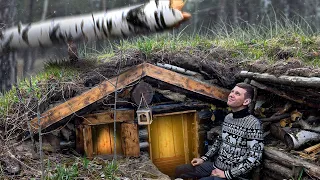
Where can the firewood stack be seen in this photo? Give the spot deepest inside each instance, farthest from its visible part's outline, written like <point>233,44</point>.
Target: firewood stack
<point>288,109</point>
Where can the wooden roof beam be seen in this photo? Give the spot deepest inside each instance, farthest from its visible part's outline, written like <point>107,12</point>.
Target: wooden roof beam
<point>75,104</point>
<point>107,87</point>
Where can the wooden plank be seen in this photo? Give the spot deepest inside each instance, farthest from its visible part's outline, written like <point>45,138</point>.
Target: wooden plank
<point>103,140</point>
<point>150,142</point>
<point>313,149</point>
<point>187,83</point>
<point>177,135</point>
<point>79,139</point>
<point>185,139</point>
<point>73,105</point>
<point>174,113</point>
<point>108,117</point>
<point>88,145</point>
<point>130,140</point>
<point>196,136</point>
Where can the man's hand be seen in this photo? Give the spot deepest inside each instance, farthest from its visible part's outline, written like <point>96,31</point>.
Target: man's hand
<point>196,161</point>
<point>218,173</point>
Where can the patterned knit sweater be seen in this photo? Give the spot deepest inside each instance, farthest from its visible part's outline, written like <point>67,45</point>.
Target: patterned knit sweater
<point>240,146</point>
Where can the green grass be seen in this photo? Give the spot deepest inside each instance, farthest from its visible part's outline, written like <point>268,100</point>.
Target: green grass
<point>37,86</point>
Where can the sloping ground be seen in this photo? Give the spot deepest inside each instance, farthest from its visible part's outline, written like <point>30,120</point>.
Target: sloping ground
<point>214,64</point>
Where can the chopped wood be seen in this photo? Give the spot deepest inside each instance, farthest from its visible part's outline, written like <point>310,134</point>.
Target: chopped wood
<point>275,118</point>
<point>307,156</point>
<point>284,94</point>
<point>278,132</point>
<point>297,138</point>
<point>290,161</point>
<point>287,80</point>
<point>306,126</point>
<point>142,94</point>
<point>315,149</point>
<point>281,170</point>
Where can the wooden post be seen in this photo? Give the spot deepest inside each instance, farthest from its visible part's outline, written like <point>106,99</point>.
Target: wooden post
<point>130,140</point>
<point>87,138</point>
<point>79,139</point>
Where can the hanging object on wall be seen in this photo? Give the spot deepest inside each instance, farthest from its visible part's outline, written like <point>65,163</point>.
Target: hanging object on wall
<point>144,114</point>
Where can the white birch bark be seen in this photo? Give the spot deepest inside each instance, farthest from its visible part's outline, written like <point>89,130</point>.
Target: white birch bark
<point>157,15</point>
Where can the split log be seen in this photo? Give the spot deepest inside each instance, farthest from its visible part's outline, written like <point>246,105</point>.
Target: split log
<point>278,132</point>
<point>275,118</point>
<point>284,94</point>
<point>290,161</point>
<point>287,80</point>
<point>304,125</point>
<point>281,170</point>
<point>142,94</point>
<point>297,138</point>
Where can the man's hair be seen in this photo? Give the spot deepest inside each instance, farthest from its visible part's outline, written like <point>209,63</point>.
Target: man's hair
<point>249,90</point>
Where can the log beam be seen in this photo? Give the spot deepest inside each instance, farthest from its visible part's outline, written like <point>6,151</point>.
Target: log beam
<point>287,80</point>
<point>187,83</point>
<point>108,117</point>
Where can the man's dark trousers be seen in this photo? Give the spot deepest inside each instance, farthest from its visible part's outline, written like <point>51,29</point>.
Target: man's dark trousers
<point>202,171</point>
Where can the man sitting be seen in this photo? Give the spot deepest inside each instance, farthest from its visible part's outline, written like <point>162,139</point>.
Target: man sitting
<point>239,148</point>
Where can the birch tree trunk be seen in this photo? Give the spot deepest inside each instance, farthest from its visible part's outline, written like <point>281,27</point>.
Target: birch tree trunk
<point>151,17</point>
<point>8,64</point>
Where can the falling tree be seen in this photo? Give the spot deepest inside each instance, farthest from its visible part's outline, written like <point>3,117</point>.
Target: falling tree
<point>155,16</point>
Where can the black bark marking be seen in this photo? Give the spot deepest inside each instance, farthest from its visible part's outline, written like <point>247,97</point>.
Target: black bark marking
<point>25,36</point>
<point>136,17</point>
<point>162,20</point>
<point>98,24</point>
<point>76,27</point>
<point>173,12</point>
<point>157,19</point>
<point>104,29</point>
<point>53,37</point>
<point>94,28</point>
<point>109,25</point>
<point>83,34</point>
<point>157,3</point>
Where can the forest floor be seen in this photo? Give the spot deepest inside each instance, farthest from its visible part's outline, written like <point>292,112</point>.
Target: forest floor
<point>218,59</point>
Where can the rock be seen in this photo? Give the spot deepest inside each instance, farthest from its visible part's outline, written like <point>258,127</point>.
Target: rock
<point>11,167</point>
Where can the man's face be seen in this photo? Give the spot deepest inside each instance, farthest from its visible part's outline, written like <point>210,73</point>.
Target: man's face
<point>236,98</point>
